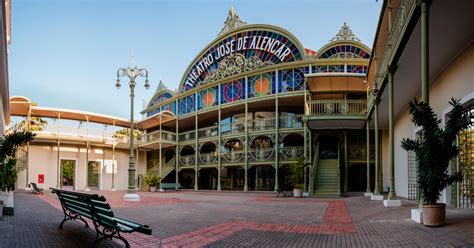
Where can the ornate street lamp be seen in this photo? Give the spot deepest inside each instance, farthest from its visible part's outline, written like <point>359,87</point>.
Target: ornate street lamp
<point>132,72</point>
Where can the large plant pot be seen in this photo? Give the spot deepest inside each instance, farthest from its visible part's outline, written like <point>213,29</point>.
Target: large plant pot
<point>298,193</point>
<point>434,215</point>
<point>152,188</point>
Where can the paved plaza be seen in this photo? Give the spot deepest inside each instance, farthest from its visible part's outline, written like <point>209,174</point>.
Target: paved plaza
<point>230,219</point>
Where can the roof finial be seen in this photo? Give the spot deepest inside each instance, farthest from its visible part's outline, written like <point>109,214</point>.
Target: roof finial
<point>345,33</point>
<point>233,21</point>
<point>132,59</point>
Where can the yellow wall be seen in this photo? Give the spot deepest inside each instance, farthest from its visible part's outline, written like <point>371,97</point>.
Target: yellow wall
<point>456,80</point>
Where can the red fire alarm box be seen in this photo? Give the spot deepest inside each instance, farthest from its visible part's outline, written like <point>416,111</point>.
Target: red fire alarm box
<point>40,178</point>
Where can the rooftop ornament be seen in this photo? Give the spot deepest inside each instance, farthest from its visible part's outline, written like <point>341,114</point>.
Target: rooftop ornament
<point>233,21</point>
<point>345,33</point>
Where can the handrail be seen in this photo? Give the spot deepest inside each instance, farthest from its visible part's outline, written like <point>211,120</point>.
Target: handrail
<point>338,168</point>
<point>314,168</point>
<point>335,107</point>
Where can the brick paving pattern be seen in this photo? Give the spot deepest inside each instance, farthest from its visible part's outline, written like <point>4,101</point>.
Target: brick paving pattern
<point>230,219</point>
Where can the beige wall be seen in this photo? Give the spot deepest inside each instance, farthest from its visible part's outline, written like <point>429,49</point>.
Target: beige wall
<point>42,159</point>
<point>457,80</point>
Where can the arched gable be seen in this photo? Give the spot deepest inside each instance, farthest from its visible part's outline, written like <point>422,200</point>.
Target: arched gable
<point>243,49</point>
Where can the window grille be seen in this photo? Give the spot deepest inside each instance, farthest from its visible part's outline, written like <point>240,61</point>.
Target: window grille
<point>413,193</point>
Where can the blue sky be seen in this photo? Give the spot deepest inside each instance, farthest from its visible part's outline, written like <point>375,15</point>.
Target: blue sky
<point>65,53</point>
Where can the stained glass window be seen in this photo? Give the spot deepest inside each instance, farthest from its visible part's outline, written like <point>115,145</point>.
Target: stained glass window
<point>261,85</point>
<point>345,51</point>
<point>362,69</point>
<point>153,112</point>
<point>160,98</point>
<point>207,98</point>
<point>268,46</point>
<point>233,91</point>
<point>335,68</point>
<point>186,105</point>
<point>292,80</point>
<point>170,107</point>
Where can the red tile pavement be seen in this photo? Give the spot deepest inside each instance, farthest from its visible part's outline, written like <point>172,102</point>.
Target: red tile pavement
<point>336,221</point>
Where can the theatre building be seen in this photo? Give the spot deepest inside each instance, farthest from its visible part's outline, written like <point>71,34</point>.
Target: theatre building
<point>255,99</point>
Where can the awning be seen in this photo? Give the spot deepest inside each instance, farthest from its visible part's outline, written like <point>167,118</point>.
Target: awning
<point>326,82</point>
<point>20,106</point>
<point>156,120</point>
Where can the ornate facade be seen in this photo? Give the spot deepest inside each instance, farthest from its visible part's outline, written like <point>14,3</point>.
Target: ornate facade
<point>252,102</point>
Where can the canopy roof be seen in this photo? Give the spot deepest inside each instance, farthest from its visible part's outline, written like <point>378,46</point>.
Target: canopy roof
<point>20,106</point>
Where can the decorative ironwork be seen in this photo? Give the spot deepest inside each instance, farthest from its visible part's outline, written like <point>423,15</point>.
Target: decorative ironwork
<point>233,64</point>
<point>337,107</point>
<point>233,21</point>
<point>208,158</point>
<point>345,33</point>
<point>231,157</point>
<point>187,160</point>
<point>464,190</point>
<point>290,153</point>
<point>262,154</point>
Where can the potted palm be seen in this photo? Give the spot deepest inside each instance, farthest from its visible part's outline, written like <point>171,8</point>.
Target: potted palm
<point>152,181</point>
<point>434,150</point>
<point>296,176</point>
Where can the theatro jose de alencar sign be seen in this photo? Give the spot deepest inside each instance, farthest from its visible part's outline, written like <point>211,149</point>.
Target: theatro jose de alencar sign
<point>267,46</point>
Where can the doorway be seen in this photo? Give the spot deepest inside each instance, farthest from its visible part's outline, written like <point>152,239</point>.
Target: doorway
<point>68,174</point>
<point>93,174</point>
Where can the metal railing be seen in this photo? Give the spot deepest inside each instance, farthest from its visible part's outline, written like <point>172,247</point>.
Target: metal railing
<point>231,157</point>
<point>232,128</point>
<point>336,107</point>
<point>160,135</point>
<point>207,158</point>
<point>187,160</point>
<point>295,121</point>
<point>186,136</point>
<point>262,154</point>
<point>290,153</point>
<point>208,132</point>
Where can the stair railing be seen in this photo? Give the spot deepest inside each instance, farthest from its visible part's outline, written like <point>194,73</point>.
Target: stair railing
<point>314,169</point>
<point>339,168</point>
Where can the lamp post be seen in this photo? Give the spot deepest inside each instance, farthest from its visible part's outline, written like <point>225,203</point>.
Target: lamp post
<point>132,72</point>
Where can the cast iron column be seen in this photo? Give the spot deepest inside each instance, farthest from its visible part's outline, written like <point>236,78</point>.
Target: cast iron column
<point>391,143</point>
<point>377,169</point>
<point>368,190</point>
<point>425,84</point>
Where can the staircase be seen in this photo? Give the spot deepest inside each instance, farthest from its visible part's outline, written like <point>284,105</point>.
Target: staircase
<point>327,183</point>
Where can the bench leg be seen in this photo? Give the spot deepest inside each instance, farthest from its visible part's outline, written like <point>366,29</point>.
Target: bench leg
<point>72,216</point>
<point>108,233</point>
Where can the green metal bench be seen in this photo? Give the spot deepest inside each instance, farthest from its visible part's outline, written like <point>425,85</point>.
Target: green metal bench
<point>164,186</point>
<point>77,206</point>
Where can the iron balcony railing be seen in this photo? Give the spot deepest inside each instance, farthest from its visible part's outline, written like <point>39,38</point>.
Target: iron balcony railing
<point>290,153</point>
<point>336,107</point>
<point>187,160</point>
<point>233,157</point>
<point>159,136</point>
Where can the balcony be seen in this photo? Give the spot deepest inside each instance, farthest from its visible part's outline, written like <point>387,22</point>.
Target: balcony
<point>162,136</point>
<point>336,108</point>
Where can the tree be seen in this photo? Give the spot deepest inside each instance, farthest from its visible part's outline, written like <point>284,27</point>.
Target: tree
<point>436,147</point>
<point>8,147</point>
<point>35,124</point>
<point>296,172</point>
<point>125,132</point>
